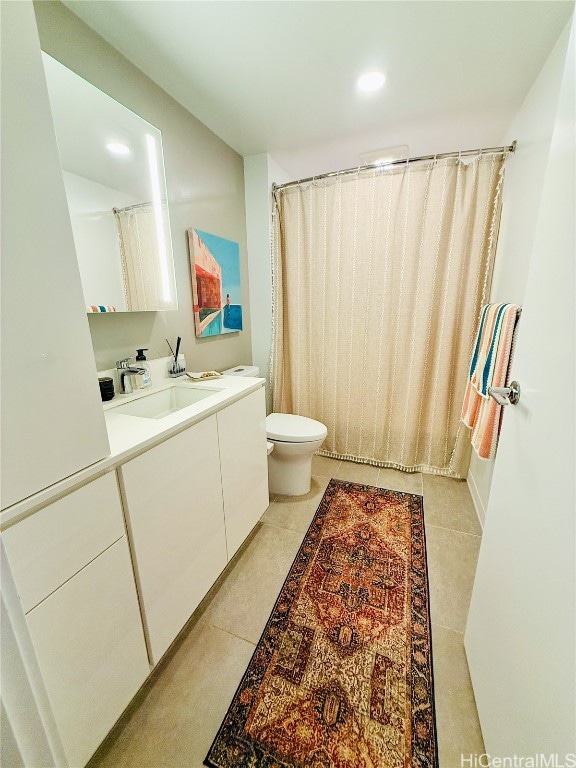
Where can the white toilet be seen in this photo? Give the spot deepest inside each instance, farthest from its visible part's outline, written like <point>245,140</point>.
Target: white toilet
<point>295,440</point>
<point>292,441</point>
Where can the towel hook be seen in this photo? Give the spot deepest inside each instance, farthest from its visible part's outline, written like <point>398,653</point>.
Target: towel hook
<point>506,395</point>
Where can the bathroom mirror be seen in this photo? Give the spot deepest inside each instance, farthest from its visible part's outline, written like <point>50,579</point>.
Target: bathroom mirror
<point>113,172</point>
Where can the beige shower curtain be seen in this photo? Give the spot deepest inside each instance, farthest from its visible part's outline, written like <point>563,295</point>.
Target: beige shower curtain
<point>379,277</point>
<point>148,280</point>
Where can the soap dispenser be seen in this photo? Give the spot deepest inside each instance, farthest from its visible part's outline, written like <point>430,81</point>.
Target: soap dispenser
<point>146,377</point>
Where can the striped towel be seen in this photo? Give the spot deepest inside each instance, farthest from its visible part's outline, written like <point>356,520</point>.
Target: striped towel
<point>489,367</point>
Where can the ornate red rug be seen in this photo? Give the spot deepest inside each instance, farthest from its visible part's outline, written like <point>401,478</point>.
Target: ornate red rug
<point>342,675</point>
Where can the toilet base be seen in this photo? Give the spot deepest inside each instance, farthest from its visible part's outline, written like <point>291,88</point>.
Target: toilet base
<point>289,475</point>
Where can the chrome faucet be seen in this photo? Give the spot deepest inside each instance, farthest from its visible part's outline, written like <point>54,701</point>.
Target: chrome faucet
<point>125,372</point>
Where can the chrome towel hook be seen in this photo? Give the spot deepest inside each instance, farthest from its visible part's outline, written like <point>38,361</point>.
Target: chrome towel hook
<point>506,395</point>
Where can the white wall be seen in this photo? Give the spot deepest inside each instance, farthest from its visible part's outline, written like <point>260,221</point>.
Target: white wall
<point>533,128</point>
<point>260,172</point>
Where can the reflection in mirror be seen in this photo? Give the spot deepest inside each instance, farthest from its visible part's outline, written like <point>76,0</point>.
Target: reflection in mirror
<point>113,173</point>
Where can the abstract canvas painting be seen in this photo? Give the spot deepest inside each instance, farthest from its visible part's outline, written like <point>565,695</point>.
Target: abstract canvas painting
<point>215,267</point>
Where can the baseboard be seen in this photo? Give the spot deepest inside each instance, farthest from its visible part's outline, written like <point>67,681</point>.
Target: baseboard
<point>478,506</point>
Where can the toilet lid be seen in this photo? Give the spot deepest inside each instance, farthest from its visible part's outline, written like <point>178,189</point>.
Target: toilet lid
<point>289,428</point>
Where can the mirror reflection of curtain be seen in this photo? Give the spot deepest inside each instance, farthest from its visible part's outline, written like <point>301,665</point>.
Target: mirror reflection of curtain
<point>148,283</point>
<point>379,277</point>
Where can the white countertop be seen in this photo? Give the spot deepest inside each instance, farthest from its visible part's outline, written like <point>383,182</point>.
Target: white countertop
<point>131,435</point>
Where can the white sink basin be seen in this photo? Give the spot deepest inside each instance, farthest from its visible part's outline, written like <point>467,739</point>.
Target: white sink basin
<point>163,403</point>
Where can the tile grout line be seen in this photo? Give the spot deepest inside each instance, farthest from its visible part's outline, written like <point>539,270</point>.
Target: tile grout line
<point>419,492</point>
<point>452,530</point>
<point>443,626</point>
<point>384,488</point>
<point>279,527</point>
<point>227,631</point>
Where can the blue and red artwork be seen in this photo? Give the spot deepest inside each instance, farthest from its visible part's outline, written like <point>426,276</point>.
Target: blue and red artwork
<point>215,267</point>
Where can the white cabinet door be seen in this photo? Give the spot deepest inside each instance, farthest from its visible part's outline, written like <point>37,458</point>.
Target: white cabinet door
<point>50,546</point>
<point>176,522</point>
<point>244,462</point>
<point>52,420</point>
<point>90,647</point>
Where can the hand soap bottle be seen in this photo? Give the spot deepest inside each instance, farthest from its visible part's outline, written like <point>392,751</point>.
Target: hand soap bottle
<point>146,378</point>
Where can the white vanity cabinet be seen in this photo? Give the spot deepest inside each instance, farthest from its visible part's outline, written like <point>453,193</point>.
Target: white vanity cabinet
<point>72,569</point>
<point>173,499</point>
<point>190,502</point>
<point>244,466</point>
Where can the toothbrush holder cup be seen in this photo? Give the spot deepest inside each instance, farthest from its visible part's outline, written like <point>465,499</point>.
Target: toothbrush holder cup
<point>177,367</point>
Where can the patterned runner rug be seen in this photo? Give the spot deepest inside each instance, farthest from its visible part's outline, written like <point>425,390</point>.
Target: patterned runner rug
<point>342,675</point>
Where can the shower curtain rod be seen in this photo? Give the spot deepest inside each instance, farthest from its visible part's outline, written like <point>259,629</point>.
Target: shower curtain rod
<point>464,153</point>
<point>131,207</point>
<point>137,205</point>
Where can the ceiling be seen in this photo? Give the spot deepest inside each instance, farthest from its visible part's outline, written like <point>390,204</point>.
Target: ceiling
<point>279,76</point>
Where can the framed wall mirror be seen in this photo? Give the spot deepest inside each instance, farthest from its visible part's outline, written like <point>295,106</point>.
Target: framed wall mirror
<point>113,171</point>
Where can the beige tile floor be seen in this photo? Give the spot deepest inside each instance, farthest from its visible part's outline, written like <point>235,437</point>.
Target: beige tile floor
<point>173,719</point>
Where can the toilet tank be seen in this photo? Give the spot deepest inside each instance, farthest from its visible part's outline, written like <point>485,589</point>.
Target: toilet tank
<point>242,370</point>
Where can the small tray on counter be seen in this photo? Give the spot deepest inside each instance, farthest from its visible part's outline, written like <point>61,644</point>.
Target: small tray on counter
<point>203,375</point>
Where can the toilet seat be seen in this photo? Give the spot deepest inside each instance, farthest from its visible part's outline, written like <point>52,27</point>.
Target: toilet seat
<point>290,428</point>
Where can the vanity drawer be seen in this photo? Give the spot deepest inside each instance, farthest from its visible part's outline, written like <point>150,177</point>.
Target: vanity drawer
<point>90,648</point>
<point>49,547</point>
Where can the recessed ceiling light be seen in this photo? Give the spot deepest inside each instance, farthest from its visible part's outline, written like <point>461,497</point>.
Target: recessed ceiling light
<point>117,148</point>
<point>371,81</point>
